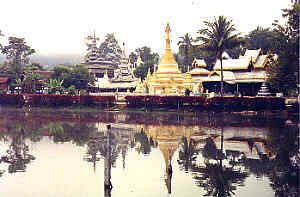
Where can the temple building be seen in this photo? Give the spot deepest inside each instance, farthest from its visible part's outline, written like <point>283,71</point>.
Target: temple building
<point>94,61</point>
<point>113,71</point>
<point>244,75</point>
<point>166,78</point>
<point>199,72</point>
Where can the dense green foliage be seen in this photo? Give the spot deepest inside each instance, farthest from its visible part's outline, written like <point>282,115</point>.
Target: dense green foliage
<point>109,49</point>
<point>17,51</point>
<point>285,43</point>
<point>77,76</point>
<point>260,38</point>
<point>31,82</point>
<point>133,57</point>
<point>54,85</point>
<point>149,58</point>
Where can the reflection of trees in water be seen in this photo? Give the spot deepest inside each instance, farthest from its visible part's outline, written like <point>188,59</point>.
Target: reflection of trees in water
<point>279,164</point>
<point>3,137</point>
<point>108,146</point>
<point>210,150</point>
<point>282,168</point>
<point>77,133</point>
<point>98,148</point>
<point>144,143</point>
<point>216,178</point>
<point>32,130</point>
<point>187,153</point>
<point>17,155</point>
<point>283,141</point>
<point>119,142</point>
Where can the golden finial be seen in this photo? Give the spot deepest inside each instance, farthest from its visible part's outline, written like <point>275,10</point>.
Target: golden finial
<point>168,29</point>
<point>123,51</point>
<point>168,58</point>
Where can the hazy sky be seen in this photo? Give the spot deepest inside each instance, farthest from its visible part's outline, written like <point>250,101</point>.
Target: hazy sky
<point>60,26</point>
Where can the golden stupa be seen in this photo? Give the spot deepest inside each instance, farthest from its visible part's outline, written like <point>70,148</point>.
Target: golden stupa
<point>167,78</point>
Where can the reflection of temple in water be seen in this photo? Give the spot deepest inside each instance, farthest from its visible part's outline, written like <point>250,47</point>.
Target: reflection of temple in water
<point>108,143</point>
<point>168,139</point>
<point>247,141</point>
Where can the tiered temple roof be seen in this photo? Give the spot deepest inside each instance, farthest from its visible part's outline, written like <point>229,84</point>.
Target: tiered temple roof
<point>109,74</point>
<point>123,77</point>
<point>248,68</point>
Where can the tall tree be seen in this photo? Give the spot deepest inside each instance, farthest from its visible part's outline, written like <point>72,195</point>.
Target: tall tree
<point>218,36</point>
<point>149,58</point>
<point>286,45</point>
<point>185,44</point>
<point>17,51</point>
<point>260,38</point>
<point>109,49</point>
<point>147,54</point>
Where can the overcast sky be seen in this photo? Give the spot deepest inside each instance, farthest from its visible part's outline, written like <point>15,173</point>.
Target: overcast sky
<point>60,26</point>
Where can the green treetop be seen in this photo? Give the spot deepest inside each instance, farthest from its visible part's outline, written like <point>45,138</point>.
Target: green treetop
<point>218,36</point>
<point>110,49</point>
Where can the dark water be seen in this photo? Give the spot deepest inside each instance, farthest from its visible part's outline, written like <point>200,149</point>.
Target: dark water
<point>61,153</point>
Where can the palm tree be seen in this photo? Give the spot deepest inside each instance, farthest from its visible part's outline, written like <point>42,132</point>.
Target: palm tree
<point>185,43</point>
<point>219,36</point>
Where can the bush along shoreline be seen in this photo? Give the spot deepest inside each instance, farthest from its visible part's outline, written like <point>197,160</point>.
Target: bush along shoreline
<point>232,103</point>
<point>53,100</point>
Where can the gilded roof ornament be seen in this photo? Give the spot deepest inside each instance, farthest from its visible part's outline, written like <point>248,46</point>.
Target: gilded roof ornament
<point>168,29</point>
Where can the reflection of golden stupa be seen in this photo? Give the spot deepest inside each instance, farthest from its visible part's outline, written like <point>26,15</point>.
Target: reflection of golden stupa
<point>168,138</point>
<point>167,79</point>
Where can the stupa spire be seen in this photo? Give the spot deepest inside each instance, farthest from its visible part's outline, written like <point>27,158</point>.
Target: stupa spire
<point>168,30</point>
<point>123,50</point>
<point>168,61</point>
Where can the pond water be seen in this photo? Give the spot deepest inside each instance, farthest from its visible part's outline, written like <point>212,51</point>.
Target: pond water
<point>67,153</point>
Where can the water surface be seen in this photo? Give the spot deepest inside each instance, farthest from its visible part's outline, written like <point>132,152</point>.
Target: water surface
<point>66,153</point>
